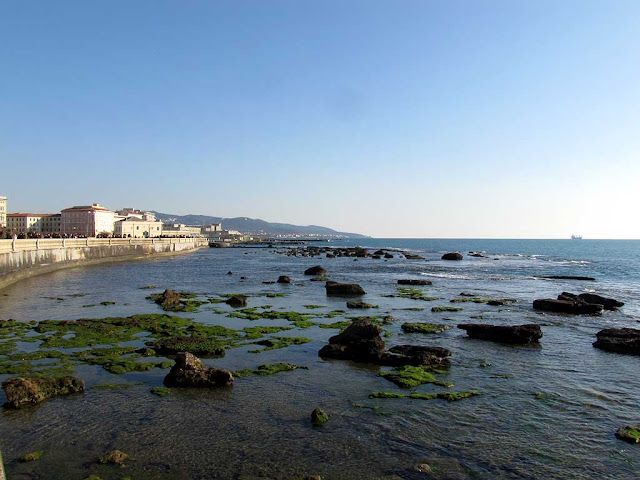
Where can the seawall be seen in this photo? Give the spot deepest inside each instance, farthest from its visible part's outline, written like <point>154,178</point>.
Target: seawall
<point>25,258</point>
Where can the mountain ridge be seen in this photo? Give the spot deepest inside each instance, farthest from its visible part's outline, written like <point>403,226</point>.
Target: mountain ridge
<point>255,225</point>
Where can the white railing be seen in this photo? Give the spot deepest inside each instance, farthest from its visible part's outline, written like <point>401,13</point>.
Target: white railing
<point>21,245</point>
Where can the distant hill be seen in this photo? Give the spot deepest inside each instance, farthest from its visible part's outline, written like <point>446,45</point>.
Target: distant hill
<point>254,225</point>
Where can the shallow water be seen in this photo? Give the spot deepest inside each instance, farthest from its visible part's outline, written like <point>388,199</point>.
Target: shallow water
<point>260,428</point>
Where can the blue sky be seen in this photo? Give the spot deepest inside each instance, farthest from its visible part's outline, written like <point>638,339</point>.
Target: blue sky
<point>505,119</point>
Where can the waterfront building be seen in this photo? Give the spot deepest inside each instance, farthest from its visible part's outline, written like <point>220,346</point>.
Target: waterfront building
<point>132,212</point>
<point>45,223</point>
<point>3,211</point>
<point>214,227</point>
<point>87,220</point>
<point>180,230</point>
<point>137,227</point>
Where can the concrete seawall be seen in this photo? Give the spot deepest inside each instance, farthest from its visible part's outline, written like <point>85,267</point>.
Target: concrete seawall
<point>25,258</point>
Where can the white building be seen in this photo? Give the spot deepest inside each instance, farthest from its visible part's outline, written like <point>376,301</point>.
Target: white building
<point>136,227</point>
<point>87,220</point>
<point>45,223</point>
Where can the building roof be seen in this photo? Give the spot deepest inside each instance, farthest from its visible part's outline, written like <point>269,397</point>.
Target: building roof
<point>95,206</point>
<point>33,214</point>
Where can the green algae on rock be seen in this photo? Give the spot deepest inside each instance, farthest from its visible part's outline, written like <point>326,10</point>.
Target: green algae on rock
<point>279,342</point>
<point>629,434</point>
<point>272,368</point>
<point>259,332</point>
<point>360,304</point>
<point>319,417</point>
<point>445,309</point>
<point>448,396</point>
<point>409,376</point>
<point>115,457</point>
<point>22,392</point>
<point>424,327</point>
<point>160,391</point>
<point>412,293</point>
<point>31,456</point>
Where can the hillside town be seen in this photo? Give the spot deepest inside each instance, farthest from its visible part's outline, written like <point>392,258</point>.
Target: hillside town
<point>95,220</point>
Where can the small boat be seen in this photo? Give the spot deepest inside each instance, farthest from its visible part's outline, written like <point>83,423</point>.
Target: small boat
<point>576,237</point>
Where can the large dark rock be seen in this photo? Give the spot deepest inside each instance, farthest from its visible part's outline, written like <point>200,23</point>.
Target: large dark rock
<point>566,277</point>
<point>335,288</point>
<point>189,371</point>
<point>452,256</point>
<point>237,301</point>
<point>518,334</point>
<point>607,303</point>
<point>361,341</point>
<point>619,340</point>
<point>23,391</point>
<point>284,279</point>
<point>316,271</point>
<point>575,307</point>
<point>169,300</point>
<point>414,282</point>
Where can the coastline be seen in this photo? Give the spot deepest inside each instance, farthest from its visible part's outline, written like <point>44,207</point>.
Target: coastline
<point>19,261</point>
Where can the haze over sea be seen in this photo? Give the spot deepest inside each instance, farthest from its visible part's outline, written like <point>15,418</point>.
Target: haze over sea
<point>547,411</point>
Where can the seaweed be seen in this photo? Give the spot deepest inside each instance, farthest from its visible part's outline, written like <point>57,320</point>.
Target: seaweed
<point>410,376</point>
<point>445,309</point>
<point>279,342</point>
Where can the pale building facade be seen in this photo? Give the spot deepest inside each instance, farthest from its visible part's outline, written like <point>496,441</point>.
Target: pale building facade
<point>3,211</point>
<point>87,220</point>
<point>45,223</point>
<point>180,230</point>
<point>135,227</point>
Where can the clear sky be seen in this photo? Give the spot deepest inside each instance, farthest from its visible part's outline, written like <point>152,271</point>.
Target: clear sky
<point>505,119</point>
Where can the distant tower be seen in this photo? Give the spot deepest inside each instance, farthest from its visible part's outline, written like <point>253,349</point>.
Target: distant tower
<point>3,211</point>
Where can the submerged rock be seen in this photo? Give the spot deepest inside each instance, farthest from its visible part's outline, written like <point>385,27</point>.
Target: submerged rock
<point>575,307</point>
<point>335,288</point>
<point>360,304</point>
<point>284,279</point>
<point>452,256</point>
<point>415,355</point>
<point>424,327</point>
<point>189,371</point>
<point>23,392</point>
<point>316,271</point>
<point>115,457</point>
<point>415,282</point>
<point>517,334</point>
<point>319,417</point>
<point>237,301</point>
<point>619,340</point>
<point>195,345</point>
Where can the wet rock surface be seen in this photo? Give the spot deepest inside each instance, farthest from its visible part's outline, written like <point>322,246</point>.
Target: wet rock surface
<point>619,340</point>
<point>574,307</point>
<point>316,271</point>
<point>517,334</point>
<point>237,301</point>
<point>190,372</point>
<point>414,282</point>
<point>452,256</point>
<point>22,392</point>
<point>592,298</point>
<point>362,342</point>
<point>284,279</point>
<point>335,288</point>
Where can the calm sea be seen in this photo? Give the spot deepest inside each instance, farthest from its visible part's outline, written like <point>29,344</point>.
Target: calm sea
<point>547,411</point>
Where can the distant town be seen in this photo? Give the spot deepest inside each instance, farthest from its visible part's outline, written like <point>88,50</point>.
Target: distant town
<point>96,220</point>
